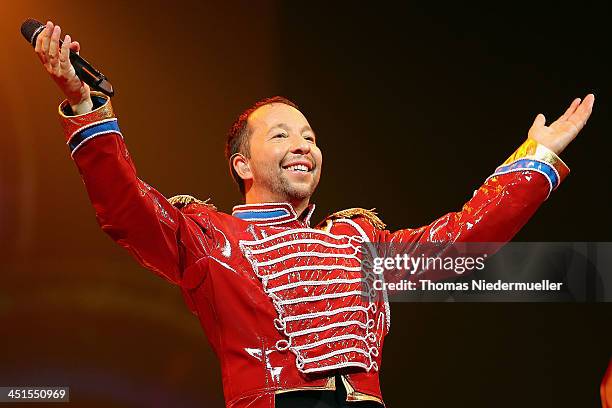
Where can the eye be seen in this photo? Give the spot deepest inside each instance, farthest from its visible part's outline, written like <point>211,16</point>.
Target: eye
<point>310,138</point>
<point>279,135</point>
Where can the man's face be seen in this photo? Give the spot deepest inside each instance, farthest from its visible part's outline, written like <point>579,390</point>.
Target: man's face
<point>285,161</point>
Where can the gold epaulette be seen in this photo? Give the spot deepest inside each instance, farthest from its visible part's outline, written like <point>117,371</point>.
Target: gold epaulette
<point>180,201</point>
<point>369,215</point>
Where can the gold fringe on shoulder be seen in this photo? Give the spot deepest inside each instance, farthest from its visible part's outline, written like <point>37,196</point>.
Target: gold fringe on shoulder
<point>369,215</point>
<point>180,201</point>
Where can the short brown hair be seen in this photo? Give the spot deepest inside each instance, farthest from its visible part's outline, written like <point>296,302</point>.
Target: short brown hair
<point>239,134</point>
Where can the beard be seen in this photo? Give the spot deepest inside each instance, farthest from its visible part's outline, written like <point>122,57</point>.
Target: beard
<point>280,184</point>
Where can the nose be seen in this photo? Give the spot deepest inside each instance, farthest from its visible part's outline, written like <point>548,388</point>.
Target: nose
<point>299,145</point>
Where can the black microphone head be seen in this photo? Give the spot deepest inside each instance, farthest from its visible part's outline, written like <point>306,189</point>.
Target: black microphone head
<point>30,30</point>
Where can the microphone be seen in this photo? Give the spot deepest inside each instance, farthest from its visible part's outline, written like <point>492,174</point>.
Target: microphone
<point>31,28</point>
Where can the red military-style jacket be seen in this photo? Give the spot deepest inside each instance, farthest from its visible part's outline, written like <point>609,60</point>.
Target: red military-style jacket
<point>282,303</point>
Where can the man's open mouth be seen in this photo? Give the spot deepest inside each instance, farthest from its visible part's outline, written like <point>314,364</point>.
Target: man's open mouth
<point>301,167</point>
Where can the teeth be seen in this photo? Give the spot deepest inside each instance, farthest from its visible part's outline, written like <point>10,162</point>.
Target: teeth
<point>298,167</point>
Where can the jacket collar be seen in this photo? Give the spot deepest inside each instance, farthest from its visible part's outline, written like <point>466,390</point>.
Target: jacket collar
<point>271,213</point>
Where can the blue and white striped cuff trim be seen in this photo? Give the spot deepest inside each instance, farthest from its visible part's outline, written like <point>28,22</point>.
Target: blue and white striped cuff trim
<point>541,167</point>
<point>92,130</point>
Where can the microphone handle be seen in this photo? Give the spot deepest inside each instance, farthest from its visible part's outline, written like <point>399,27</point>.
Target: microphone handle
<point>88,74</point>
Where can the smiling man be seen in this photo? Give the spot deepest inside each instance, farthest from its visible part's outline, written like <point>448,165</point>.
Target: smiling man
<point>281,302</point>
<point>273,154</point>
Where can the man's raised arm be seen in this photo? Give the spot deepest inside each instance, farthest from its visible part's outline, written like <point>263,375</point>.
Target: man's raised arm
<point>135,215</point>
<point>511,195</point>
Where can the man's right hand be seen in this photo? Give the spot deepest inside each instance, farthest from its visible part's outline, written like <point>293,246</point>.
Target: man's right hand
<point>56,61</point>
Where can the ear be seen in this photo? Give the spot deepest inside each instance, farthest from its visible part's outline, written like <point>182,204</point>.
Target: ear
<point>240,164</point>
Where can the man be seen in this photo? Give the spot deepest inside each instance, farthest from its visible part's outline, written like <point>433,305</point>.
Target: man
<point>280,302</point>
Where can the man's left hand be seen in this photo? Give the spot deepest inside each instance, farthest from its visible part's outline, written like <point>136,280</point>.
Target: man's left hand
<point>561,132</point>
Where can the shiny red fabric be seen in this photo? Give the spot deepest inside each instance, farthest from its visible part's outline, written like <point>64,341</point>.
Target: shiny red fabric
<point>605,388</point>
<point>280,302</point>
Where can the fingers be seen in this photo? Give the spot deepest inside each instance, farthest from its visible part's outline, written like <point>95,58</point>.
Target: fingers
<point>39,48</point>
<point>75,46</point>
<point>46,39</point>
<point>54,47</point>
<point>536,127</point>
<point>64,57</point>
<point>572,108</point>
<point>54,56</point>
<point>38,45</point>
<point>539,121</point>
<point>582,112</point>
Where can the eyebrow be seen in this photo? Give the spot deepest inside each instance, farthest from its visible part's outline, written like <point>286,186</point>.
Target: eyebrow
<point>284,126</point>
<point>306,128</point>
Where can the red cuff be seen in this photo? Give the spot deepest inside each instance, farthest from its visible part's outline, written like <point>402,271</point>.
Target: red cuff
<point>72,124</point>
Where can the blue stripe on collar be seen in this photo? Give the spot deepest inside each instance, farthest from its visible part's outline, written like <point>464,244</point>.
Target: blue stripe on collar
<point>262,215</point>
<point>271,213</point>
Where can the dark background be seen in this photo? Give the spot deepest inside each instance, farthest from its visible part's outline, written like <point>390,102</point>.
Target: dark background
<point>413,106</point>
